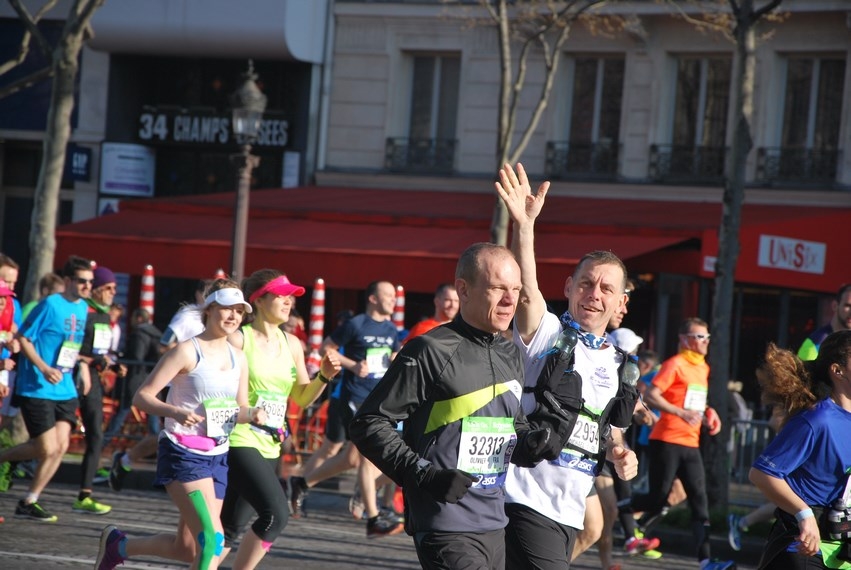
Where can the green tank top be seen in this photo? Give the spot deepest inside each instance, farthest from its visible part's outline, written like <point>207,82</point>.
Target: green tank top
<point>270,380</point>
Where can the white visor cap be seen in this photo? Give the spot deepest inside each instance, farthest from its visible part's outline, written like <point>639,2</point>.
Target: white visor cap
<point>227,297</point>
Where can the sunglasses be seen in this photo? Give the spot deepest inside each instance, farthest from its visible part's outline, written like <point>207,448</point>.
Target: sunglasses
<point>699,336</point>
<point>81,281</point>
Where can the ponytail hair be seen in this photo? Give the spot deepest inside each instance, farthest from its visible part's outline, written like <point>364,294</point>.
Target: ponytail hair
<point>785,382</point>
<point>796,386</point>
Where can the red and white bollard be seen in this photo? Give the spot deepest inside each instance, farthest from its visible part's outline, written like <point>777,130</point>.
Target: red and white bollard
<point>399,310</point>
<point>146,299</point>
<point>316,326</point>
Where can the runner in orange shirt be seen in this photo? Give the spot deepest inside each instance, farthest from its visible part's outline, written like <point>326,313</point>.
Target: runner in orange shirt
<point>679,390</point>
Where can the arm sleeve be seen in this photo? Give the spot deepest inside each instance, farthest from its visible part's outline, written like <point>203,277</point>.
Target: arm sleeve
<point>401,391</point>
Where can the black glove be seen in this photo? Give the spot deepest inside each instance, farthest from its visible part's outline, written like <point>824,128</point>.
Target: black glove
<point>446,485</point>
<point>537,445</point>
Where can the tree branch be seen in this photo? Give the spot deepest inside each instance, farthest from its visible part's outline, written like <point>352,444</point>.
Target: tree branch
<point>82,13</point>
<point>702,24</point>
<point>759,13</point>
<point>25,82</point>
<point>30,24</point>
<point>22,55</point>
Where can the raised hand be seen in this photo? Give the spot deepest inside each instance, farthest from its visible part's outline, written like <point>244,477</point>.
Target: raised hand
<point>516,193</point>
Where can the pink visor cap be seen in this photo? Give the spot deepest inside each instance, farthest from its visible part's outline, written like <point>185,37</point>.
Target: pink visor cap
<point>5,291</point>
<point>278,286</point>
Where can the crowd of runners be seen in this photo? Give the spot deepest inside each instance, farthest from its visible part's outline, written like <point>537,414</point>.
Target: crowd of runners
<point>503,424</point>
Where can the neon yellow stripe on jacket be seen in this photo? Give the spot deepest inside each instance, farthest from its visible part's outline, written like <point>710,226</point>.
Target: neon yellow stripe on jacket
<point>446,412</point>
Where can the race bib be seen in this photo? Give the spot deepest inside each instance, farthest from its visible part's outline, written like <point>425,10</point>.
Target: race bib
<point>68,353</point>
<point>485,449</point>
<point>221,416</point>
<point>695,398</point>
<point>586,435</point>
<point>4,377</point>
<point>275,405</point>
<point>378,360</point>
<point>103,338</point>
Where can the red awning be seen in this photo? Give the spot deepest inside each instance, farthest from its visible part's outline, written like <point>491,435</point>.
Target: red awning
<point>352,236</point>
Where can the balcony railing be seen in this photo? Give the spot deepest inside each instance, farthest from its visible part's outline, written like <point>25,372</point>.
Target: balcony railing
<point>420,155</point>
<point>797,165</point>
<point>687,164</point>
<point>566,160</point>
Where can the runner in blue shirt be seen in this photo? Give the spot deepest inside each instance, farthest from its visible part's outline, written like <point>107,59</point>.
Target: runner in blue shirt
<point>45,392</point>
<point>805,469</point>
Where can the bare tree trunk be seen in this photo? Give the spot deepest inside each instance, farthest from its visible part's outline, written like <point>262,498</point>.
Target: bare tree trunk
<point>499,222</point>
<point>46,203</point>
<point>728,249</point>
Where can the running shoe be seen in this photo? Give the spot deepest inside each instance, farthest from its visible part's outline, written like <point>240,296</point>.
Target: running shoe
<point>356,506</point>
<point>108,553</point>
<point>391,515</point>
<point>101,476</point>
<point>24,469</point>
<point>298,488</point>
<point>34,512</point>
<point>651,554</point>
<point>635,546</point>
<point>90,506</point>
<point>5,476</point>
<point>734,534</point>
<point>719,565</point>
<point>378,527</point>
<point>118,473</point>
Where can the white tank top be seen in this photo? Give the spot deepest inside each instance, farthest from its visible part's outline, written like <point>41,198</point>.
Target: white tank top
<point>190,391</point>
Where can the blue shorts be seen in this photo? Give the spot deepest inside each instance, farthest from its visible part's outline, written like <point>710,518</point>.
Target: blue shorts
<point>177,464</point>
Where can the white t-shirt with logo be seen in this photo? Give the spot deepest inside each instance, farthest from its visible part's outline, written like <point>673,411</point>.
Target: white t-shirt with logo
<point>557,489</point>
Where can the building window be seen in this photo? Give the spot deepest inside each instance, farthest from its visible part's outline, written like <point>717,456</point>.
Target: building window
<point>595,116</point>
<point>809,139</point>
<point>697,149</point>
<point>430,144</point>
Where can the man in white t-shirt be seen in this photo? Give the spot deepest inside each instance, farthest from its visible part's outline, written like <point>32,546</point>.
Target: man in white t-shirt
<point>546,505</point>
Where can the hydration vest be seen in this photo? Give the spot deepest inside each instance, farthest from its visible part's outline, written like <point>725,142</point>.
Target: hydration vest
<point>558,395</point>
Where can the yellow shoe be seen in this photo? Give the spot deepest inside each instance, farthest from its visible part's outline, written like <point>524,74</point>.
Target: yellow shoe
<point>90,506</point>
<point>651,554</point>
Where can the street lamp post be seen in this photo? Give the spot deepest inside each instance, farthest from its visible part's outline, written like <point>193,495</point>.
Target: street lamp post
<point>248,104</point>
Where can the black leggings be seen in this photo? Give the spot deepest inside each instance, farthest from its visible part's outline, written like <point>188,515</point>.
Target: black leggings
<point>253,486</point>
<point>667,462</point>
<point>91,413</point>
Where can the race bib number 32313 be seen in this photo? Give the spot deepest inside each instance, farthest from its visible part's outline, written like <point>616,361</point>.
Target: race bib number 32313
<point>485,448</point>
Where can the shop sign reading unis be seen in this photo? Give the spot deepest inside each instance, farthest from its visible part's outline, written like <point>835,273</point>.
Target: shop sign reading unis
<point>791,254</point>
<point>160,126</point>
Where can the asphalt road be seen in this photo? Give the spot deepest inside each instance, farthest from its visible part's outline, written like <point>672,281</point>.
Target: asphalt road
<point>327,539</point>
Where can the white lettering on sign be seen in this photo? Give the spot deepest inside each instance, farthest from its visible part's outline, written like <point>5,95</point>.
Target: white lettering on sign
<point>709,263</point>
<point>791,254</point>
<point>206,129</point>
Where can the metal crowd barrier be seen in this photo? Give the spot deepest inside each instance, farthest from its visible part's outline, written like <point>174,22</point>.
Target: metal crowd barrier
<point>747,440</point>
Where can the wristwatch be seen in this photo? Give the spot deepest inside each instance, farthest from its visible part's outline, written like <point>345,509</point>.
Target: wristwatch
<point>420,469</point>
